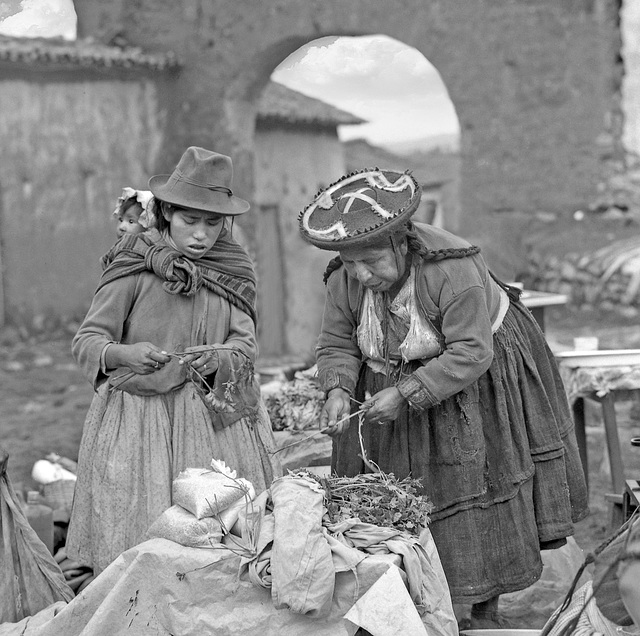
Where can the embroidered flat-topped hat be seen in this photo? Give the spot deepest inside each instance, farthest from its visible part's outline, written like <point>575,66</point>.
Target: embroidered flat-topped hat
<point>360,209</point>
<point>202,181</point>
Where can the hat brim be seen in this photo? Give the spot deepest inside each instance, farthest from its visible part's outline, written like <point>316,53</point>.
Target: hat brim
<point>370,237</point>
<point>360,209</point>
<point>196,197</point>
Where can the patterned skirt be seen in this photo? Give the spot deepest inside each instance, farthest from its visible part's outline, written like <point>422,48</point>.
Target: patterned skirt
<point>131,450</point>
<point>499,460</point>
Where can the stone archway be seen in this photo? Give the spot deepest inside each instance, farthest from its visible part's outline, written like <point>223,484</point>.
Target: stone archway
<point>532,82</point>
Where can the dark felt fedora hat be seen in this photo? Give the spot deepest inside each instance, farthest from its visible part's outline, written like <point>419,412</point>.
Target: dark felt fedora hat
<point>360,209</point>
<point>201,180</point>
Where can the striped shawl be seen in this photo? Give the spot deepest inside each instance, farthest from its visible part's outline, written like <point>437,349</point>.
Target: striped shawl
<point>226,269</point>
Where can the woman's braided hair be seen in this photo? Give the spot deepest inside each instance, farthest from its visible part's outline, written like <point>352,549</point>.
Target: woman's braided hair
<point>415,247</point>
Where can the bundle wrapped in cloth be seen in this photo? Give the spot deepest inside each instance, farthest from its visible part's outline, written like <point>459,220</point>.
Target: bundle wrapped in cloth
<point>207,492</point>
<point>321,563</point>
<point>180,526</point>
<point>207,503</point>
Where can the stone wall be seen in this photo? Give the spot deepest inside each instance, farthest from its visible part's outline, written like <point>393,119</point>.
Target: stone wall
<point>604,279</point>
<point>533,83</point>
<point>630,23</point>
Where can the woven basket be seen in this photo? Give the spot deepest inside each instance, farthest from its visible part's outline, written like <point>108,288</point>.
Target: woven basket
<point>59,494</point>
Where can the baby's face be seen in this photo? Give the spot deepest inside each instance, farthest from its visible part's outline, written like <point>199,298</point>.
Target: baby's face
<point>128,222</point>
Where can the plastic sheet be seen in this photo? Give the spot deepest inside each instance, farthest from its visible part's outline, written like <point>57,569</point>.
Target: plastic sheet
<point>161,587</point>
<point>371,612</point>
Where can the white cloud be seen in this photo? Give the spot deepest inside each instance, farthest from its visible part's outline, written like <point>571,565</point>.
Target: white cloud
<point>382,80</point>
<point>42,18</point>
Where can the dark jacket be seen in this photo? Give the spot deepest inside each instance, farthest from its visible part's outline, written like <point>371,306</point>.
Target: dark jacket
<point>460,298</point>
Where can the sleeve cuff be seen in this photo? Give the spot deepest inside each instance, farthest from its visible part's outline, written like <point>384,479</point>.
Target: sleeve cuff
<point>103,353</point>
<point>336,379</point>
<point>416,393</point>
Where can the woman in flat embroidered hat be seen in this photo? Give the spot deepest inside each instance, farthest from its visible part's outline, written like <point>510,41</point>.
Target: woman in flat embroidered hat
<point>457,382</point>
<point>169,345</point>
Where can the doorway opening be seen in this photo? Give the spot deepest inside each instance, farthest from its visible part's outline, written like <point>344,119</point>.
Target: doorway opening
<point>333,106</point>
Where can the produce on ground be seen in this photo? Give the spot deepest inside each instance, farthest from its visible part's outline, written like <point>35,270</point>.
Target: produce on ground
<point>294,405</point>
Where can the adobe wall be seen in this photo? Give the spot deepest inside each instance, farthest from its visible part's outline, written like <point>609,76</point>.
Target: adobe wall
<point>532,81</point>
<point>287,162</point>
<point>70,141</point>
<point>631,81</point>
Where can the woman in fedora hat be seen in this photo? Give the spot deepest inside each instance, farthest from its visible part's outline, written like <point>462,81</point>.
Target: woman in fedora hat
<point>454,384</point>
<point>169,345</point>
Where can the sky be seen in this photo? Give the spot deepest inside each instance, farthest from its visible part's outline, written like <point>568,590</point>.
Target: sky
<point>389,84</point>
<point>382,80</point>
<point>38,18</point>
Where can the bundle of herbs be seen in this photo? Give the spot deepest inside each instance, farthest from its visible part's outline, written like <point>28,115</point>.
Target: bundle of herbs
<point>377,498</point>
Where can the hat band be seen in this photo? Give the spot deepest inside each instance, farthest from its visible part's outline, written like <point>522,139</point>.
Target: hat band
<point>206,186</point>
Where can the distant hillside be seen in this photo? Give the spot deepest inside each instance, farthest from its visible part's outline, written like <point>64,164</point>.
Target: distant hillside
<point>446,143</point>
<point>428,167</point>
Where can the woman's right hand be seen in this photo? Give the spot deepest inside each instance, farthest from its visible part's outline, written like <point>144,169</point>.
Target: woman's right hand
<point>142,358</point>
<point>336,407</point>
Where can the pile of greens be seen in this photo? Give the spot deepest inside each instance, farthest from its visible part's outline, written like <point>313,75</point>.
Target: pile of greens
<point>377,498</point>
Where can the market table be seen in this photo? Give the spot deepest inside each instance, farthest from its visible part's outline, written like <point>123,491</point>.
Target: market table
<point>630,498</point>
<point>603,376</point>
<point>537,301</point>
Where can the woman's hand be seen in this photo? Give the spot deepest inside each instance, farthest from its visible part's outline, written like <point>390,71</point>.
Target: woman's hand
<point>336,407</point>
<point>384,406</point>
<point>203,360</point>
<point>142,358</point>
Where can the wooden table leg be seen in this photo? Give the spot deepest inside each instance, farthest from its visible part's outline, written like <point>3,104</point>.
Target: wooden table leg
<point>613,442</point>
<point>631,499</point>
<point>581,435</point>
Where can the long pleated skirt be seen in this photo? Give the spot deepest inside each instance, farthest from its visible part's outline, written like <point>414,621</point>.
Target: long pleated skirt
<point>133,447</point>
<point>499,461</point>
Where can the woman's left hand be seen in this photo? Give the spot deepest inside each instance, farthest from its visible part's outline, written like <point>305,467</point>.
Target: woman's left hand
<point>204,362</point>
<point>384,406</point>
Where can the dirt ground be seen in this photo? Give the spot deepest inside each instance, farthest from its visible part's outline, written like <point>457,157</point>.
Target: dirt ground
<point>45,399</point>
<point>614,332</point>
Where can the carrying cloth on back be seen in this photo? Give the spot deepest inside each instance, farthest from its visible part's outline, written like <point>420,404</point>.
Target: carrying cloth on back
<point>226,269</point>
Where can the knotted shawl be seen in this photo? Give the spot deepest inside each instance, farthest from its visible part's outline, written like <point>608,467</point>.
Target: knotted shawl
<point>225,269</point>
